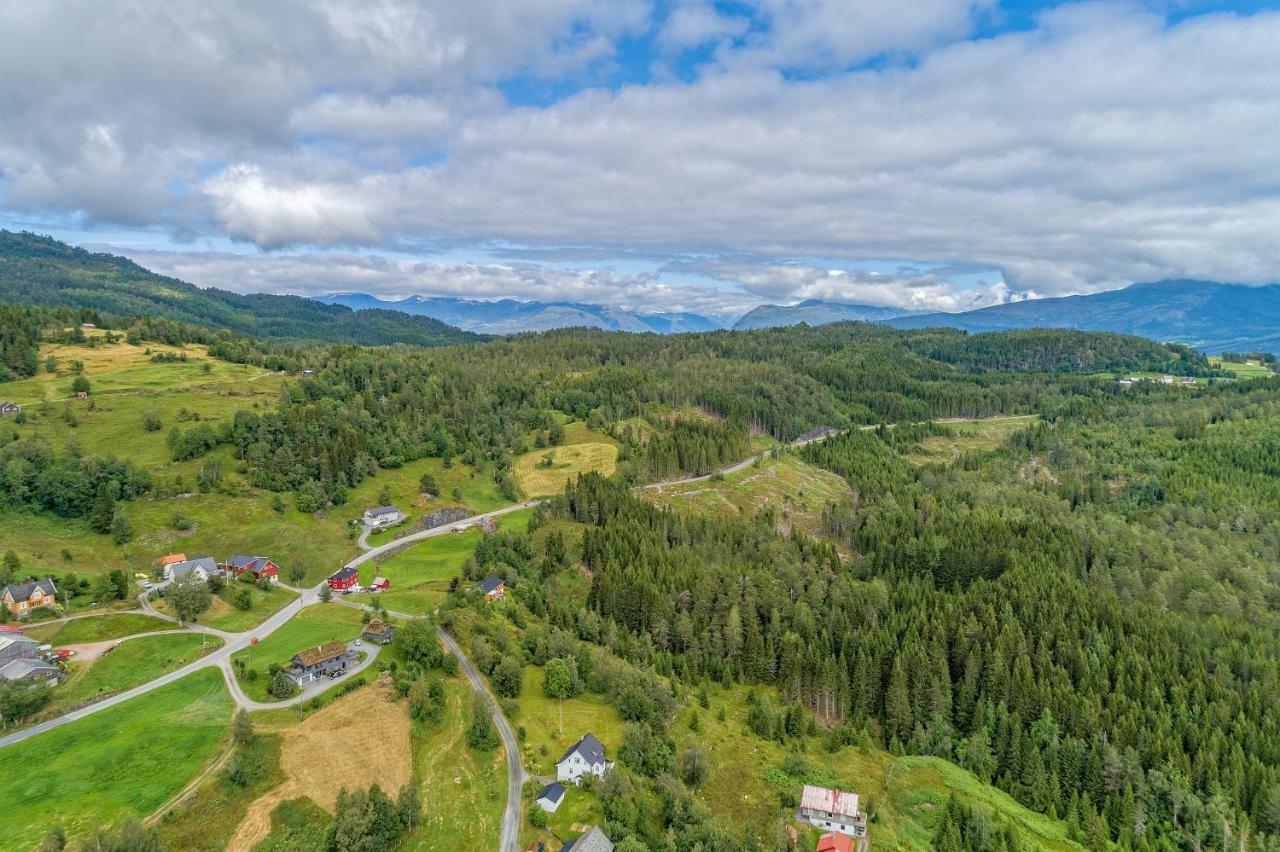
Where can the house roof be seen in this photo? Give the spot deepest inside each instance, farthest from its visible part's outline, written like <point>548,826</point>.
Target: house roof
<point>321,653</point>
<point>382,510</point>
<point>245,561</point>
<point>182,570</point>
<point>377,627</point>
<point>834,841</point>
<point>8,640</point>
<point>491,584</point>
<point>8,405</point>
<point>589,748</point>
<point>595,840</point>
<point>552,793</point>
<point>171,559</point>
<point>343,573</point>
<point>23,591</point>
<point>829,801</point>
<point>25,669</point>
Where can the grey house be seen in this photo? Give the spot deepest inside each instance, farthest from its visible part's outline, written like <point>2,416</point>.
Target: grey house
<point>199,568</point>
<point>31,671</point>
<point>327,660</point>
<point>15,646</point>
<point>595,840</point>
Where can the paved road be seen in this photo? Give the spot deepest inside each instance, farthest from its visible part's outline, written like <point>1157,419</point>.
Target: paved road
<point>510,841</point>
<point>309,691</point>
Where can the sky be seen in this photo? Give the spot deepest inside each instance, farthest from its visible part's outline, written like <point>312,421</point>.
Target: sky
<point>655,155</point>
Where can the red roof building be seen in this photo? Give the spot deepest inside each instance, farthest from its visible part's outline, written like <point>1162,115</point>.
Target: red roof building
<point>343,579</point>
<point>835,842</point>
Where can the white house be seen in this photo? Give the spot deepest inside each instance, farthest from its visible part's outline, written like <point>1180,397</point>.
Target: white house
<point>551,797</point>
<point>833,810</point>
<point>382,516</point>
<point>199,568</point>
<point>585,757</point>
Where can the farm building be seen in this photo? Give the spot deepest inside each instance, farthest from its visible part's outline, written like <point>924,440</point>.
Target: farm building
<point>15,646</point>
<point>585,757</point>
<point>31,671</point>
<point>21,598</point>
<point>343,579</point>
<point>834,841</point>
<point>551,797</point>
<point>9,409</point>
<point>198,568</point>
<point>379,632</point>
<point>494,588</point>
<point>321,661</point>
<point>379,584</point>
<point>382,516</point>
<point>595,840</point>
<point>834,810</point>
<point>260,567</point>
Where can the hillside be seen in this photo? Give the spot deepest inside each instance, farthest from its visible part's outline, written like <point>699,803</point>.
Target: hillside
<point>511,316</point>
<point>36,270</point>
<point>814,312</point>
<point>1210,316</point>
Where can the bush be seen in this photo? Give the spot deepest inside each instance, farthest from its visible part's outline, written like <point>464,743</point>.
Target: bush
<point>282,687</point>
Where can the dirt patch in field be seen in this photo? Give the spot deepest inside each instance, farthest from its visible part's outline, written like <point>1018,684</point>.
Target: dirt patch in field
<point>357,740</point>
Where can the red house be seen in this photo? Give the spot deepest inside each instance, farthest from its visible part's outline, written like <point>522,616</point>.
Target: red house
<point>379,584</point>
<point>343,579</point>
<point>260,566</point>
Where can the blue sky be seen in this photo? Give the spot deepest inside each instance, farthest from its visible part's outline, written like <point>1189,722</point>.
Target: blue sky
<point>690,155</point>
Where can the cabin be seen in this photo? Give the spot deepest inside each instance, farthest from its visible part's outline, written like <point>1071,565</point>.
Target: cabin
<point>379,584</point>
<point>15,646</point>
<point>198,568</point>
<point>585,757</point>
<point>344,579</point>
<point>551,797</point>
<point>594,840</point>
<point>494,588</point>
<point>21,598</point>
<point>834,841</point>
<point>260,567</point>
<point>833,810</point>
<point>31,671</point>
<point>327,660</point>
<point>378,632</point>
<point>380,517</point>
<point>9,409</point>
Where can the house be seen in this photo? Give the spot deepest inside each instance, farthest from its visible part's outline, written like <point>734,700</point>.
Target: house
<point>21,598</point>
<point>9,409</point>
<point>378,632</point>
<point>88,325</point>
<point>15,646</point>
<point>199,568</point>
<point>494,588</point>
<point>551,797</point>
<point>379,584</point>
<point>1167,380</point>
<point>585,757</point>
<point>382,516</point>
<point>1188,381</point>
<point>31,671</point>
<point>834,841</point>
<point>834,810</point>
<point>307,373</point>
<point>595,840</point>
<point>329,659</point>
<point>343,579</point>
<point>170,559</point>
<point>260,567</point>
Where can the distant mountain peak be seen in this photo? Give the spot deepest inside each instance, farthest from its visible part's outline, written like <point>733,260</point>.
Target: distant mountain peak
<point>814,312</point>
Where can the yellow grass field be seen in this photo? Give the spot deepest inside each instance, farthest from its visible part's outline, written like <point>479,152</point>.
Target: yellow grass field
<point>582,451</point>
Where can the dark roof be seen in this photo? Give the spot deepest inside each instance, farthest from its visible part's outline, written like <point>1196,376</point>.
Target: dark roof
<point>552,792</point>
<point>491,584</point>
<point>343,573</point>
<point>589,747</point>
<point>595,840</point>
<point>25,669</point>
<point>184,569</point>
<point>377,627</point>
<point>382,510</point>
<point>321,653</point>
<point>243,561</point>
<point>22,591</point>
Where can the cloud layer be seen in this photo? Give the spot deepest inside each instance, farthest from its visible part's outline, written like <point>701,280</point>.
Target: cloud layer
<point>1102,145</point>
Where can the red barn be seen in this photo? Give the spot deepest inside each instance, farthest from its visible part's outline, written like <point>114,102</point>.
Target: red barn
<point>379,584</point>
<point>344,578</point>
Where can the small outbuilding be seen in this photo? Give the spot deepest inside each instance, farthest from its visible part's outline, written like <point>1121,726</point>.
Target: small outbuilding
<point>378,632</point>
<point>551,797</point>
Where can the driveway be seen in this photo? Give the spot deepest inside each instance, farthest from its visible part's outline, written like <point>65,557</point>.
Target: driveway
<point>309,691</point>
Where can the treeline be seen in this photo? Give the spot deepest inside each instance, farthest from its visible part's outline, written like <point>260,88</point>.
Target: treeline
<point>1051,350</point>
<point>694,446</point>
<point>34,477</point>
<point>1102,712</point>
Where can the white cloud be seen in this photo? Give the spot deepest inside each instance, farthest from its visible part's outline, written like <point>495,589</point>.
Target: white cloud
<point>697,23</point>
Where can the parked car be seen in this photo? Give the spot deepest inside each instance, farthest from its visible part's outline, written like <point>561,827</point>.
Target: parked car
<point>141,576</point>
<point>357,643</point>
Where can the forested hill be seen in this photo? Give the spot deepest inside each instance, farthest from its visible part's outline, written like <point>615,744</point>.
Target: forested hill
<point>36,270</point>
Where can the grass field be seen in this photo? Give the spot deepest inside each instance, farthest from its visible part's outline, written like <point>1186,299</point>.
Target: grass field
<point>205,820</point>
<point>128,759</point>
<point>96,628</point>
<point>975,436</point>
<point>313,626</point>
<point>798,490</point>
<point>132,663</point>
<point>1243,370</point>
<point>464,793</point>
<point>905,794</point>
<point>221,615</point>
<point>581,451</point>
<point>540,717</point>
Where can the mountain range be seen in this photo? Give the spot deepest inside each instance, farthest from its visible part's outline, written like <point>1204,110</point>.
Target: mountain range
<point>510,316</point>
<point>814,312</point>
<point>1207,315</point>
